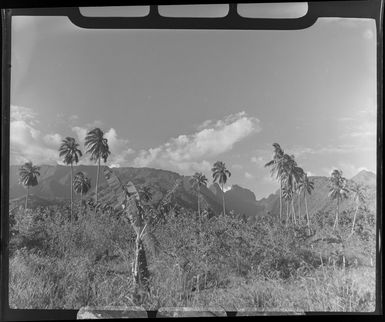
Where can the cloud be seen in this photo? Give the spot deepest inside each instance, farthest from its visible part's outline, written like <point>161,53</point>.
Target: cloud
<point>185,152</point>
<point>248,175</point>
<point>258,161</point>
<point>53,140</point>
<point>26,143</point>
<point>236,166</point>
<point>21,113</point>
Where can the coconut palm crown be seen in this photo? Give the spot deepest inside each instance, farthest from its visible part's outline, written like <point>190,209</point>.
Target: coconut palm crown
<point>276,168</point>
<point>97,147</point>
<point>197,181</point>
<point>69,149</point>
<point>337,190</point>
<point>28,174</point>
<point>220,174</point>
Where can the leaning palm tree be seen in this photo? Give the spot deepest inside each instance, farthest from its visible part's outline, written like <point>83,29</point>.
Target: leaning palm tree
<point>221,174</point>
<point>287,195</point>
<point>197,181</point>
<point>28,174</point>
<point>69,149</point>
<point>97,146</point>
<point>82,184</point>
<point>337,191</point>
<point>359,198</point>
<point>290,175</point>
<point>306,186</point>
<point>276,167</point>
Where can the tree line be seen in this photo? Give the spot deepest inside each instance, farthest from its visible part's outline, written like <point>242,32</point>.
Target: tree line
<point>293,180</point>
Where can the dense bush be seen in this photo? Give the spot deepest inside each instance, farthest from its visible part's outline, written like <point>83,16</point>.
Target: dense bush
<point>211,260</point>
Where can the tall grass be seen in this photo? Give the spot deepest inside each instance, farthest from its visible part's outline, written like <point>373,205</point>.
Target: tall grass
<point>223,261</point>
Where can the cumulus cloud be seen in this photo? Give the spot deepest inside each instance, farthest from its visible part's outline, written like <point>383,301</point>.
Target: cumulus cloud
<point>259,161</point>
<point>26,141</point>
<point>186,152</point>
<point>53,140</point>
<point>248,175</point>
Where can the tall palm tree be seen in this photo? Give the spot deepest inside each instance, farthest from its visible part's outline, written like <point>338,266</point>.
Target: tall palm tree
<point>337,191</point>
<point>28,174</point>
<point>290,175</point>
<point>359,198</point>
<point>221,174</point>
<point>97,146</point>
<point>82,184</point>
<point>306,186</point>
<point>69,149</point>
<point>276,167</point>
<point>287,195</point>
<point>198,180</point>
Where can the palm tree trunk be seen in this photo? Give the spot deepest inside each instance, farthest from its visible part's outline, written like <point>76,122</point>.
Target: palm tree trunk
<point>287,212</point>
<point>299,208</point>
<point>199,213</point>
<point>97,180</point>
<point>337,213</point>
<point>280,201</point>
<point>354,220</point>
<point>26,198</point>
<point>81,202</point>
<point>223,198</point>
<point>292,207</point>
<point>307,215</point>
<point>72,174</point>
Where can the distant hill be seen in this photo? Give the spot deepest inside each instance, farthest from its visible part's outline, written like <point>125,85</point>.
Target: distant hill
<point>319,200</point>
<point>366,178</point>
<point>54,184</point>
<point>54,187</point>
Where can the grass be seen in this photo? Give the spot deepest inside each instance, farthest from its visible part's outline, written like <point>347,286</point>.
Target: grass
<point>56,264</point>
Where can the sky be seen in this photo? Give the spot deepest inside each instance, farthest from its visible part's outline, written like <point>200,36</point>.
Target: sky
<point>182,99</point>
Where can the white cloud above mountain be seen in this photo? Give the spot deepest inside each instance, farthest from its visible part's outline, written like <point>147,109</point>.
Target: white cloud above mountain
<point>186,152</point>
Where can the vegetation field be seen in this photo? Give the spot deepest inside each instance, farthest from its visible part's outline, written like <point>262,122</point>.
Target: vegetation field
<point>224,261</point>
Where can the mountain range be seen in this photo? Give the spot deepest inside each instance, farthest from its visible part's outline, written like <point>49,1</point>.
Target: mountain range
<point>54,183</point>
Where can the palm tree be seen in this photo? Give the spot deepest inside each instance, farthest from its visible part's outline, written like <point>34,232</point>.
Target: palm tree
<point>290,175</point>
<point>337,191</point>
<point>306,186</point>
<point>359,198</point>
<point>82,184</point>
<point>276,167</point>
<point>97,146</point>
<point>287,195</point>
<point>198,180</point>
<point>220,173</point>
<point>28,174</point>
<point>69,149</point>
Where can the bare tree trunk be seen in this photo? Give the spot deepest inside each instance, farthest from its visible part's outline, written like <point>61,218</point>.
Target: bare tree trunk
<point>292,207</point>
<point>299,208</point>
<point>81,202</point>
<point>223,199</point>
<point>140,271</point>
<point>97,180</point>
<point>26,198</point>
<point>199,213</point>
<point>72,173</point>
<point>280,201</point>
<point>354,220</point>
<point>287,213</point>
<point>337,213</point>
<point>307,215</point>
